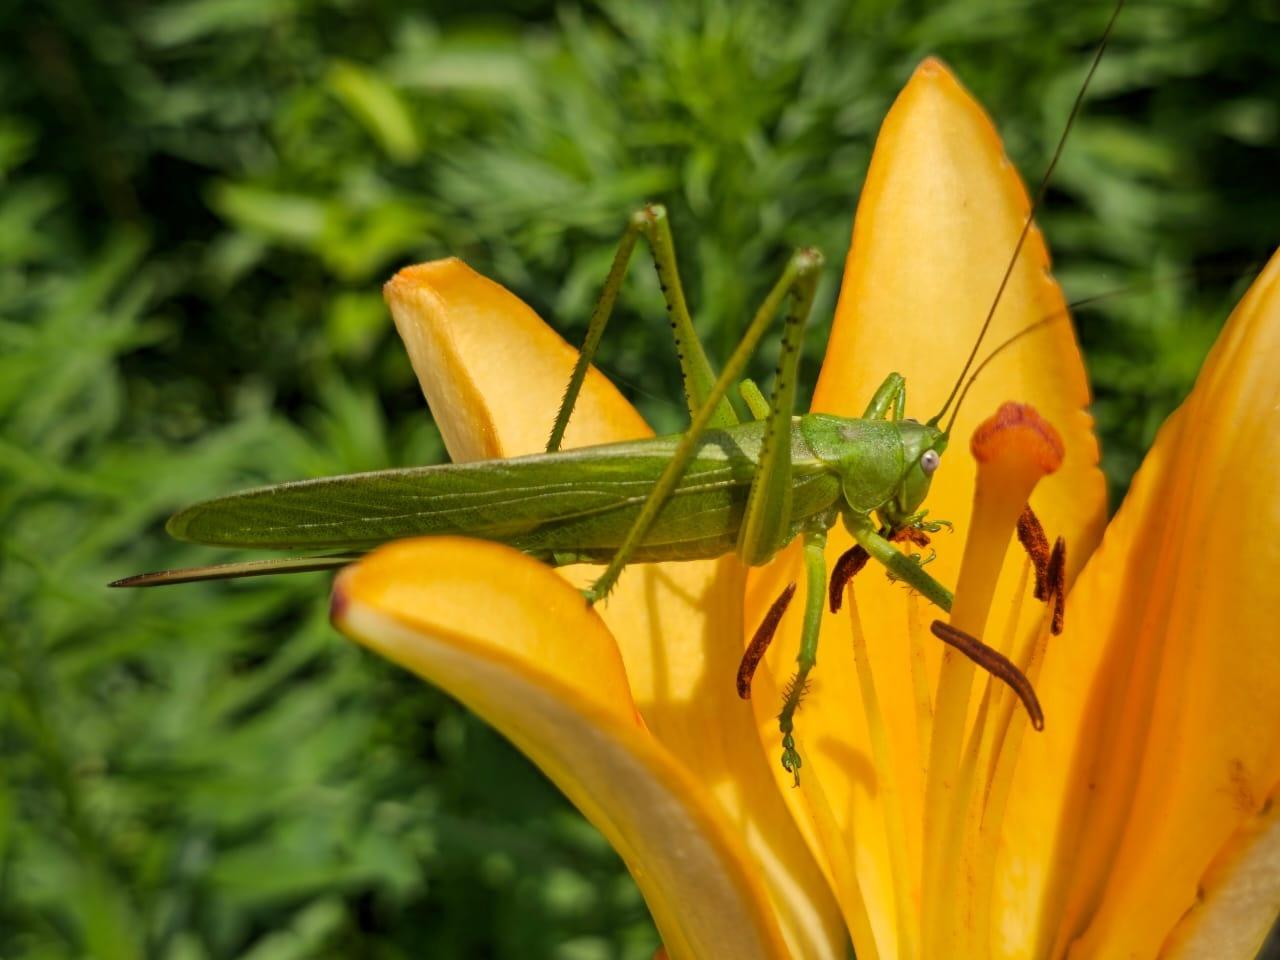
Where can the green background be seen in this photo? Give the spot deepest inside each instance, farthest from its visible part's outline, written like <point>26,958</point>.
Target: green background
<point>198,204</point>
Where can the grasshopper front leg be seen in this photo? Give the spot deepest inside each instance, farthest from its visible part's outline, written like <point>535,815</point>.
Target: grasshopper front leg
<point>900,565</point>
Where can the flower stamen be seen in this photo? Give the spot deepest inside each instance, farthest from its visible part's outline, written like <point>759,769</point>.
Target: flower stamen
<point>911,535</point>
<point>1031,536</point>
<point>761,639</point>
<point>1056,584</point>
<point>847,567</point>
<point>984,741</point>
<point>995,663</point>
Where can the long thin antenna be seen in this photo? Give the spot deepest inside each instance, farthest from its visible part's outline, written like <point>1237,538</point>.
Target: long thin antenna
<point>1026,226</point>
<point>1065,314</point>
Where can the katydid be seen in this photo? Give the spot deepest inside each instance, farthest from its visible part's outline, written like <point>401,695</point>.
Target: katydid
<point>723,486</point>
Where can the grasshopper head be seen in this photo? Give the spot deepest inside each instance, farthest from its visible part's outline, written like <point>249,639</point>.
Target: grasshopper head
<point>923,445</point>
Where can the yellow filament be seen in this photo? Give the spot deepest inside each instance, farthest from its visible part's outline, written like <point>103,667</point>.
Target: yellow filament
<point>842,859</point>
<point>997,700</point>
<point>1011,725</point>
<point>1027,657</point>
<point>920,680</point>
<point>894,827</point>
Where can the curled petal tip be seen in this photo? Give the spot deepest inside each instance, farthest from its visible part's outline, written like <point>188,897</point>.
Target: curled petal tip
<point>418,273</point>
<point>1018,431</point>
<point>931,67</point>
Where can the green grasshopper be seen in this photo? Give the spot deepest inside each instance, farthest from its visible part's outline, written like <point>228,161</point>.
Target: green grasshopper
<point>723,486</point>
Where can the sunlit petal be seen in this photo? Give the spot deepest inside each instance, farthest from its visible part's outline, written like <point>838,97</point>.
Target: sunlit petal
<point>937,222</point>
<point>1176,741</point>
<point>492,371</point>
<point>518,645</point>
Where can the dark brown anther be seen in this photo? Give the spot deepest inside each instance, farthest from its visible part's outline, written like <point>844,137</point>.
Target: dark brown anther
<point>1057,584</point>
<point>996,664</point>
<point>910,535</point>
<point>1031,536</point>
<point>847,567</point>
<point>760,642</point>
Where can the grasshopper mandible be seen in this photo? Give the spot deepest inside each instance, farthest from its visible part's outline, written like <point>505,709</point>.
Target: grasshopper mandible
<point>723,486</point>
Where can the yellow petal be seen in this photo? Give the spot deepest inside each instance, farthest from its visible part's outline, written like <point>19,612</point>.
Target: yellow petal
<point>679,627</point>
<point>937,222</point>
<point>1176,742</point>
<point>492,371</point>
<point>494,374</point>
<point>490,626</point>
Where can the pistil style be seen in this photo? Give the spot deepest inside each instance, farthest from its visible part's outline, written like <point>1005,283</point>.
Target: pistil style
<point>1014,449</point>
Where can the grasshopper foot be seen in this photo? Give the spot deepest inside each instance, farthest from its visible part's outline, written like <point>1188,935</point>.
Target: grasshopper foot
<point>915,558</point>
<point>916,529</point>
<point>791,761</point>
<point>792,695</point>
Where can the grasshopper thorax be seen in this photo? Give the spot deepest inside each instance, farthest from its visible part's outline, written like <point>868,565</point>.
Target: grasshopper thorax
<point>885,466</point>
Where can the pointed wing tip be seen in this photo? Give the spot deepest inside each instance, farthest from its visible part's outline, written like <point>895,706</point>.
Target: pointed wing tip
<point>236,570</point>
<point>154,579</point>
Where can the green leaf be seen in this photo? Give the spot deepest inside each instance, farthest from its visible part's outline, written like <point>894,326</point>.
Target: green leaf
<point>378,107</point>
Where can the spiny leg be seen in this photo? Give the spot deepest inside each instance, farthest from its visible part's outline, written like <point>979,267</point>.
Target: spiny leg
<point>852,561</point>
<point>815,575</point>
<point>798,280</point>
<point>898,564</point>
<point>651,223</point>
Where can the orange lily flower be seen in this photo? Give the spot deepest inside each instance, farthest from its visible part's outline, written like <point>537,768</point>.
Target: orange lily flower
<point>929,820</point>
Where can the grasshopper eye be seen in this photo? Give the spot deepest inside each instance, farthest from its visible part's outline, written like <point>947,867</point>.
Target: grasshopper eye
<point>929,462</point>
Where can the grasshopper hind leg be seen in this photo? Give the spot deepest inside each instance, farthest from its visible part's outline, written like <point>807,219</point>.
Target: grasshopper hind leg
<point>649,222</point>
<point>797,284</point>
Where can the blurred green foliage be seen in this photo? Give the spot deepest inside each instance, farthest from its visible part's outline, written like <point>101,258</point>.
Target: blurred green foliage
<point>198,203</point>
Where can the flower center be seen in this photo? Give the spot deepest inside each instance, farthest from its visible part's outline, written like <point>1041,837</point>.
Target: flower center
<point>971,752</point>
